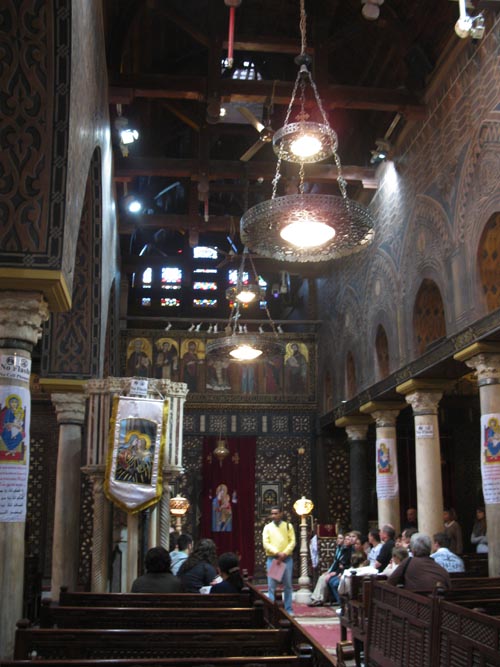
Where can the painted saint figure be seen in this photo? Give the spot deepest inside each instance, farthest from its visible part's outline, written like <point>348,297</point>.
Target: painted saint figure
<point>12,423</point>
<point>492,441</point>
<point>138,361</point>
<point>167,360</point>
<point>222,513</point>
<point>134,459</point>
<point>296,369</point>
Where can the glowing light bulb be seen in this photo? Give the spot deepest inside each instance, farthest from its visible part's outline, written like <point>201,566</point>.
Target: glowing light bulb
<point>307,233</point>
<point>245,353</point>
<point>245,296</point>
<point>305,146</point>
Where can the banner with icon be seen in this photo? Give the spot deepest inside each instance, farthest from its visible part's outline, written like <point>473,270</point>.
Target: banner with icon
<point>15,412</point>
<point>387,469</point>
<point>137,439</point>
<point>490,457</point>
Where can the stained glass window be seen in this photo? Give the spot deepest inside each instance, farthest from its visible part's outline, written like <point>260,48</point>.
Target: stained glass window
<point>146,301</point>
<point>205,271</point>
<point>170,303</point>
<point>170,276</point>
<point>198,284</point>
<point>147,278</point>
<point>232,277</point>
<point>205,303</point>
<point>204,252</point>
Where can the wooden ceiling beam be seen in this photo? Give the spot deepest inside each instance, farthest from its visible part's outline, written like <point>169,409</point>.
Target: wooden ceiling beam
<point>124,89</point>
<point>291,46</point>
<point>235,169</point>
<point>178,222</point>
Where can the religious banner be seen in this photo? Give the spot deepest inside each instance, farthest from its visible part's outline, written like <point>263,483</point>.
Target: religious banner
<point>490,457</point>
<point>15,411</point>
<point>137,439</point>
<point>228,505</point>
<point>387,469</point>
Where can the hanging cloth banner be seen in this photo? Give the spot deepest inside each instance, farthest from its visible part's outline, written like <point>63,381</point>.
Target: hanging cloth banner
<point>387,469</point>
<point>490,457</point>
<point>137,438</point>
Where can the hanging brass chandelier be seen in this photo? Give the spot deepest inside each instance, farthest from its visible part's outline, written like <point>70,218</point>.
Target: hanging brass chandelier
<point>306,227</point>
<point>240,344</point>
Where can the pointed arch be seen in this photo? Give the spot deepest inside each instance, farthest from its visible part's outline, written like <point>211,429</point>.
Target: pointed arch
<point>429,323</point>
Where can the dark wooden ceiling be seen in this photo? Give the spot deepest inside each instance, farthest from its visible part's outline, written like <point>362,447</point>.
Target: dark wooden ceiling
<point>164,61</point>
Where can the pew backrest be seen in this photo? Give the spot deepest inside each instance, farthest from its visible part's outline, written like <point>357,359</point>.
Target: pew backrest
<point>145,643</point>
<point>83,599</point>
<point>152,617</point>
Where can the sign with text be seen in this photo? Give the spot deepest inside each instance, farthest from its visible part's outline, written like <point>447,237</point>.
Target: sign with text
<point>424,430</point>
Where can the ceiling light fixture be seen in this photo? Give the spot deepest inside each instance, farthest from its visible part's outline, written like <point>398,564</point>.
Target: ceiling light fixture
<point>469,26</point>
<point>237,341</point>
<point>306,227</point>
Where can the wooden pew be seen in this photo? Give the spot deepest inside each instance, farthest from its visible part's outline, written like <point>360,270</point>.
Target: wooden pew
<point>354,616</point>
<point>407,628</point>
<point>80,599</point>
<point>146,643</point>
<point>152,617</point>
<point>304,659</point>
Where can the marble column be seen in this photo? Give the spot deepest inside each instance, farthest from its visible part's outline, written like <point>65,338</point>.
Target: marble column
<point>356,428</point>
<point>100,531</point>
<point>385,414</point>
<point>70,410</point>
<point>424,397</point>
<point>21,317</point>
<point>132,549</point>
<point>485,359</point>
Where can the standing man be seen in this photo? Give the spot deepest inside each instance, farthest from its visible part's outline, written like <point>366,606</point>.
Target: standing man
<point>278,540</point>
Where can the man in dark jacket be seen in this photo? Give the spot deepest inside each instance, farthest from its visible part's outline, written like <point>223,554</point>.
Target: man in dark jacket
<point>387,533</point>
<point>420,572</point>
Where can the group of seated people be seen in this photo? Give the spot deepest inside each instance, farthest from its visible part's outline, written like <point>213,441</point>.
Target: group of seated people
<point>384,553</point>
<point>189,570</point>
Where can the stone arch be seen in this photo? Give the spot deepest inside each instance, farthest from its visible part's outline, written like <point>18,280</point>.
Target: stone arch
<point>427,243</point>
<point>350,327</point>
<point>429,322</point>
<point>351,385</point>
<point>382,357</point>
<point>488,263</point>
<point>479,200</point>
<point>382,302</point>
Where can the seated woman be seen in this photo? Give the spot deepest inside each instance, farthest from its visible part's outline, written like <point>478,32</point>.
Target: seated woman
<point>229,570</point>
<point>158,577</point>
<point>198,569</point>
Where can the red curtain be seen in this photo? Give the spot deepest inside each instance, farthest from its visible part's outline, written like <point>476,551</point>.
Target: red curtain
<point>228,498</point>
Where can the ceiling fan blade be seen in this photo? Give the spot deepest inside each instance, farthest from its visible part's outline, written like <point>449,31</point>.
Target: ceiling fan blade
<point>252,150</point>
<point>253,120</point>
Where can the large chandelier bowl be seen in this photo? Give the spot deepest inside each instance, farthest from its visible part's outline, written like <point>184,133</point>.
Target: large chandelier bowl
<point>351,223</point>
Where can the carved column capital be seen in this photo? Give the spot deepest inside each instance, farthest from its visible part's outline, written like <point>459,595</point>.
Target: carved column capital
<point>22,315</point>
<point>356,431</point>
<point>70,408</point>
<point>96,474</point>
<point>424,402</point>
<point>487,367</point>
<point>385,417</point>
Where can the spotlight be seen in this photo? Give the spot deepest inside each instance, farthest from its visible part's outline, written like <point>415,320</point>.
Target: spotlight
<point>470,26</point>
<point>381,151</point>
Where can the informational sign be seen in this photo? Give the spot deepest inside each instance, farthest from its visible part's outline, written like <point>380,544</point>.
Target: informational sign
<point>424,430</point>
<point>387,469</point>
<point>139,388</point>
<point>15,414</point>
<point>490,457</point>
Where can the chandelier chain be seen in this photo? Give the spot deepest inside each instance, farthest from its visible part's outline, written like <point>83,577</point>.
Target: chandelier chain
<point>302,28</point>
